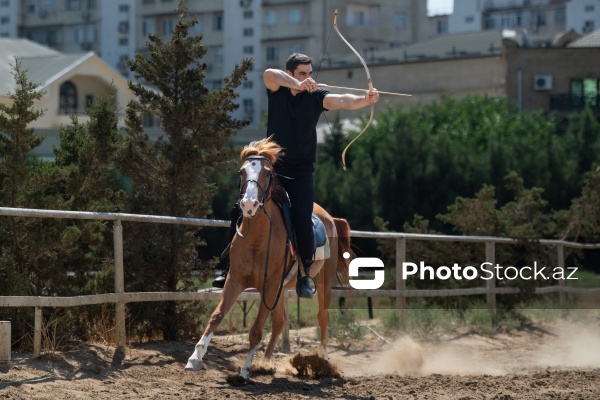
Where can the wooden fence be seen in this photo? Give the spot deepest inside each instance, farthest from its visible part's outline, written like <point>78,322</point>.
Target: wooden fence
<point>400,293</point>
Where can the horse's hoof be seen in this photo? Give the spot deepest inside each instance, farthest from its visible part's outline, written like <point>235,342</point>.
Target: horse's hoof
<point>193,365</point>
<point>237,380</point>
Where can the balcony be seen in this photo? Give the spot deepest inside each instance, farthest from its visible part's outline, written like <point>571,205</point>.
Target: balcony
<point>567,103</point>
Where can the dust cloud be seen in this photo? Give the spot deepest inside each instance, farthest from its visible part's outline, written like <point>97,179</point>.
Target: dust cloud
<point>561,347</point>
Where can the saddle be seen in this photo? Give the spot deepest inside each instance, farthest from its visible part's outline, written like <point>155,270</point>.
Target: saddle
<point>321,244</point>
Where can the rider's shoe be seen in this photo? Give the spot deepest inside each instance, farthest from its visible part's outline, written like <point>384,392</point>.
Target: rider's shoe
<point>303,288</point>
<point>219,282</point>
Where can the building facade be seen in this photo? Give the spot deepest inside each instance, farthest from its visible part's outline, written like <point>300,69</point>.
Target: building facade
<point>539,18</point>
<point>265,30</point>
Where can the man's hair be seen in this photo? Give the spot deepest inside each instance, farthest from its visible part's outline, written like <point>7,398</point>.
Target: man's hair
<point>296,59</point>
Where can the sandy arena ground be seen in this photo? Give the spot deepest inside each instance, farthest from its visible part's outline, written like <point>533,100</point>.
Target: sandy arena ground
<point>550,362</point>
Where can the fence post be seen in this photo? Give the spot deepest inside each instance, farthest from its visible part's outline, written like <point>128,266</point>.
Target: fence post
<point>5,343</point>
<point>119,286</point>
<point>37,332</point>
<point>561,282</point>
<point>490,257</point>
<point>400,282</point>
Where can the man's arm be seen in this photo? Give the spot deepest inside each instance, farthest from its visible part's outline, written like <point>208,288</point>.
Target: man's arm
<point>349,101</point>
<point>275,78</point>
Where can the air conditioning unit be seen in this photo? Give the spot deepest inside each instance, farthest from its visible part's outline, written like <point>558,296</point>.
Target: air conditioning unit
<point>542,82</point>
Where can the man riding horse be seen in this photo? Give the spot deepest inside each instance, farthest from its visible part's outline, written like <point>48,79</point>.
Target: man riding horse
<point>295,105</point>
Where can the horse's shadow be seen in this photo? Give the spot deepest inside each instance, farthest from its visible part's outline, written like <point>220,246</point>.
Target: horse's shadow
<point>282,386</point>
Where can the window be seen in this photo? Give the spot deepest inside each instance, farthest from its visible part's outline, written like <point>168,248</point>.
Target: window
<point>248,32</point>
<point>270,18</point>
<point>356,18</point>
<point>77,33</point>
<point>123,26</point>
<point>589,8</point>
<point>400,19</point>
<point>4,20</point>
<point>539,18</point>
<point>90,31</point>
<point>442,26</point>
<point>560,15</point>
<point>147,1</point>
<point>31,6</point>
<point>68,98</point>
<point>588,26</point>
<point>470,19</point>
<point>362,15</point>
<point>89,100</point>
<point>73,5</point>
<point>296,48</point>
<point>148,27</point>
<point>219,56</point>
<point>248,85</point>
<point>248,14</point>
<point>218,21</point>
<point>4,3</point>
<point>91,4</point>
<point>49,5</point>
<point>124,41</point>
<point>585,92</point>
<point>197,28</point>
<point>216,84</point>
<point>248,50</point>
<point>167,26</point>
<point>248,105</point>
<point>294,16</point>
<point>272,53</point>
<point>124,7</point>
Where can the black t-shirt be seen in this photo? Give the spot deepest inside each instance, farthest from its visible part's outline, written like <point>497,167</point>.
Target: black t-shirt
<point>293,123</point>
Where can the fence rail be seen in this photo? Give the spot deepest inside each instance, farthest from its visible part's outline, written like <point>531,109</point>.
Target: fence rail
<point>120,297</point>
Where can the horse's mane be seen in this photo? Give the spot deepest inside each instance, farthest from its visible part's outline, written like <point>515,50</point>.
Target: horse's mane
<point>265,147</point>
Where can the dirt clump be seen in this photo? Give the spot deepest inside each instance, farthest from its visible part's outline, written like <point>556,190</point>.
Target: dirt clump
<point>314,367</point>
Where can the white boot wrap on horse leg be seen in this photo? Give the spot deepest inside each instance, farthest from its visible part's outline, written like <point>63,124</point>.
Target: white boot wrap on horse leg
<point>245,372</point>
<point>322,352</point>
<point>195,361</point>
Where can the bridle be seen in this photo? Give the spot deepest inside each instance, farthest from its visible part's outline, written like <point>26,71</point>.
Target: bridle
<point>266,196</point>
<point>265,192</point>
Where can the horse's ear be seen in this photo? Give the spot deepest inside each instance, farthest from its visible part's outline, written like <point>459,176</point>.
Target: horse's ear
<point>266,167</point>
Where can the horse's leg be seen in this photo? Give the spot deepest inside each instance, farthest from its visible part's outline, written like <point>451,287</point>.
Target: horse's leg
<point>231,291</point>
<point>324,291</point>
<point>255,338</point>
<point>278,323</point>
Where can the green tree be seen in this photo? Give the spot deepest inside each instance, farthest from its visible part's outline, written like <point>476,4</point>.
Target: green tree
<point>173,175</point>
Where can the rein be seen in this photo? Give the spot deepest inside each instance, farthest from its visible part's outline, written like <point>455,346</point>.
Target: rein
<point>265,199</point>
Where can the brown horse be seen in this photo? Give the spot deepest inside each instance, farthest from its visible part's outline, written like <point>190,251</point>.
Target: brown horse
<point>260,251</point>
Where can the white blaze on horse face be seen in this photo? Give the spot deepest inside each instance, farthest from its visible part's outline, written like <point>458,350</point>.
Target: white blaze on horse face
<point>249,203</point>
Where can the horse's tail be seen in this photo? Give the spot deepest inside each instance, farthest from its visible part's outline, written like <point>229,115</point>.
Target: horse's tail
<point>343,230</point>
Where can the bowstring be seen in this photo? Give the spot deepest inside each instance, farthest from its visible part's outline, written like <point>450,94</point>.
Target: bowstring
<point>319,69</point>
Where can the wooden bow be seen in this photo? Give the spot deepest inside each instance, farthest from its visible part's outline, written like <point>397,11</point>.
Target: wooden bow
<point>369,82</point>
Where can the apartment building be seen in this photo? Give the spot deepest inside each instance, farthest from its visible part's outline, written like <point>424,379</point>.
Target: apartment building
<point>541,19</point>
<point>265,30</point>
<point>583,16</point>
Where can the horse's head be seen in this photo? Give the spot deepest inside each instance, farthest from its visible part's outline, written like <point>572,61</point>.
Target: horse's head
<point>256,179</point>
<point>257,175</point>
